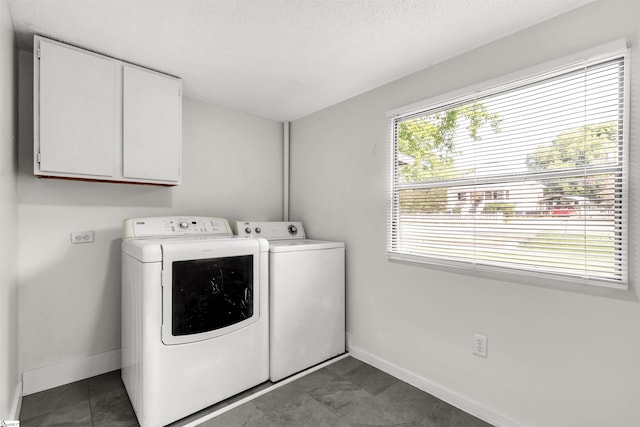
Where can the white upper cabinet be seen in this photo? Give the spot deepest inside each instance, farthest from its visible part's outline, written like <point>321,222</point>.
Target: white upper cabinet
<point>152,124</point>
<point>77,112</point>
<point>98,118</point>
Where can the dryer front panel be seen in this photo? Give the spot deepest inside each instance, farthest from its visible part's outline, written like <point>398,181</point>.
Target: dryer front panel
<point>211,293</point>
<point>209,289</point>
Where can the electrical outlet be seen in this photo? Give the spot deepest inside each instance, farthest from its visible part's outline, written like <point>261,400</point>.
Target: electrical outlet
<point>480,345</point>
<point>82,237</point>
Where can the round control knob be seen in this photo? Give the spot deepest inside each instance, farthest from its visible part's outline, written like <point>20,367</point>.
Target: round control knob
<point>258,230</point>
<point>247,230</point>
<point>293,230</point>
<point>184,225</point>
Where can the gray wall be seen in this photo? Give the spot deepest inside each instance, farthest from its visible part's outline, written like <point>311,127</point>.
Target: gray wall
<point>559,355</point>
<point>70,294</point>
<point>8,218</point>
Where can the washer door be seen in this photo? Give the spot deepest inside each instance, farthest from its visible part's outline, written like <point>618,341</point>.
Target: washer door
<point>209,288</point>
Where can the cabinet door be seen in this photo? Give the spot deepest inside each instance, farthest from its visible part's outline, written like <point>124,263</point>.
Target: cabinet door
<point>77,112</point>
<point>152,126</point>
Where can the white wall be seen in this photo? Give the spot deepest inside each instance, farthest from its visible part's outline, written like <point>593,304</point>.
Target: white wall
<point>8,217</point>
<point>558,355</point>
<point>70,294</point>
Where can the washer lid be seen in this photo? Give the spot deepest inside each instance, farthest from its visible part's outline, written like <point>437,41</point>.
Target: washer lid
<point>302,245</point>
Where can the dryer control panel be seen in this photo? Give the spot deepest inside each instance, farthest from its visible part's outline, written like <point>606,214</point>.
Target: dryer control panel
<point>271,230</point>
<point>167,226</point>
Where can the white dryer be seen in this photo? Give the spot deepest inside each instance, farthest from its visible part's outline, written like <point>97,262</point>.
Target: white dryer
<point>194,315</point>
<point>306,296</point>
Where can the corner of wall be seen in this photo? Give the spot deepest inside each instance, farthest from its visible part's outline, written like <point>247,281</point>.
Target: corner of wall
<point>10,386</point>
<point>47,377</point>
<point>17,402</point>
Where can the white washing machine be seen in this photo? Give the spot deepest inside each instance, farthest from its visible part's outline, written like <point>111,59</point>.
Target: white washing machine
<point>306,296</point>
<point>195,324</point>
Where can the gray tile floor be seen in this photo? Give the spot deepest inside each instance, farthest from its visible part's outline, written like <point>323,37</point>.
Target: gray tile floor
<point>97,401</point>
<point>345,393</point>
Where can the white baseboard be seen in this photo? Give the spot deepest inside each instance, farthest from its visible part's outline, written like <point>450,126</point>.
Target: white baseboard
<point>17,402</point>
<point>51,376</point>
<point>437,390</point>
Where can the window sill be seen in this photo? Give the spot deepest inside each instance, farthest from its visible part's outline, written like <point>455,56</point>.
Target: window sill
<point>531,278</point>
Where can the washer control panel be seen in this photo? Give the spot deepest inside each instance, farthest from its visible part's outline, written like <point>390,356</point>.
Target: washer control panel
<point>164,226</point>
<point>271,230</point>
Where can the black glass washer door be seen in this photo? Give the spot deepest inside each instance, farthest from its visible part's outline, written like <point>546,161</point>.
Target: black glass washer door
<point>209,288</point>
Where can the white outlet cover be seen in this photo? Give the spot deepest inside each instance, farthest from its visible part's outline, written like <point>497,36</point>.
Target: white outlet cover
<point>480,344</point>
<point>82,237</point>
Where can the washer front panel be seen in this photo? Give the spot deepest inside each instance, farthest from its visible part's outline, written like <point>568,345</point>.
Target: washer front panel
<point>307,303</point>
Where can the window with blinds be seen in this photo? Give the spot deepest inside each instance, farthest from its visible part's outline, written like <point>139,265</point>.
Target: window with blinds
<point>529,176</point>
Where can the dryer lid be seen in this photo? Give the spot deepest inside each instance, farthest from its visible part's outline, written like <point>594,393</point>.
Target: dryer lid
<point>302,245</point>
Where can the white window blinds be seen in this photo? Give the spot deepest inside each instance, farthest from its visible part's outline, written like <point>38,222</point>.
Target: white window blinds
<point>529,177</point>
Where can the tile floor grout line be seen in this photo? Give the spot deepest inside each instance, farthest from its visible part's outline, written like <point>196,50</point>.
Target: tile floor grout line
<point>264,391</point>
<point>89,399</point>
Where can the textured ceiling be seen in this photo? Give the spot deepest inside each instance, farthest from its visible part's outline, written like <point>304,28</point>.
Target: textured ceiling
<point>280,59</point>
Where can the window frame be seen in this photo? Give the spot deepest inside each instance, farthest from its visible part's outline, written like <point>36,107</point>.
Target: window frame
<point>449,100</point>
